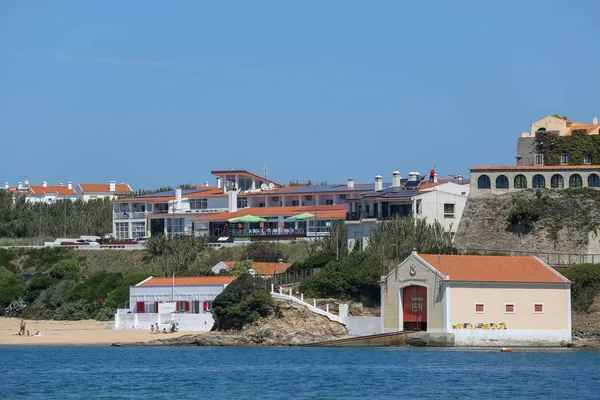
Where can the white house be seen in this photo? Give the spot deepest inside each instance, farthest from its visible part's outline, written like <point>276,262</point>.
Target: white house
<point>93,191</point>
<point>187,300</point>
<point>442,200</point>
<point>49,194</point>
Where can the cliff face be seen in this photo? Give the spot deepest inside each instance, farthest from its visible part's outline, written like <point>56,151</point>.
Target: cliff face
<point>548,221</point>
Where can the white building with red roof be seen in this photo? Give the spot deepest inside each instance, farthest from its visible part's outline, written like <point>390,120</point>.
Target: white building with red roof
<point>45,193</point>
<point>187,300</point>
<point>93,191</point>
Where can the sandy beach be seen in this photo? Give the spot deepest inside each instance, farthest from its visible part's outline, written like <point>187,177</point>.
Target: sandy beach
<point>78,333</point>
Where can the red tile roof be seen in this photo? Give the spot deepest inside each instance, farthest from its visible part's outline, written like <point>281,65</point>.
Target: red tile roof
<point>534,167</point>
<point>189,281</point>
<point>104,187</point>
<point>588,128</point>
<point>61,190</point>
<point>493,269</point>
<point>264,268</point>
<point>323,212</point>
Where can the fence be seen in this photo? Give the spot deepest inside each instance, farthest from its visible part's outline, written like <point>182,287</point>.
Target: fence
<point>293,277</point>
<point>553,259</point>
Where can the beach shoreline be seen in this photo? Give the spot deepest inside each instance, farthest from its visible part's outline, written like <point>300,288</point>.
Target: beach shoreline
<point>73,333</point>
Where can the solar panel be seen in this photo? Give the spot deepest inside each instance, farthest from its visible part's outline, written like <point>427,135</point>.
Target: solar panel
<point>411,184</point>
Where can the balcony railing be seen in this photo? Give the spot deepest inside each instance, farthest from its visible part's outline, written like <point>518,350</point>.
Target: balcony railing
<point>130,215</point>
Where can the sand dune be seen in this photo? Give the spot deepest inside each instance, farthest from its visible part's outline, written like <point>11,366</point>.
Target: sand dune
<point>87,332</point>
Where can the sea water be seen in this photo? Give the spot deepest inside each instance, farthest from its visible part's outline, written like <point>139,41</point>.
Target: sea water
<point>296,373</point>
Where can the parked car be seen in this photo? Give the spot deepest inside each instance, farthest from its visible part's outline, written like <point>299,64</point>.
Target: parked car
<point>142,240</point>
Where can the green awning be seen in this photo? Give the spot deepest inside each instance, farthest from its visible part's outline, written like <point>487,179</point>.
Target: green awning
<point>299,217</point>
<point>248,218</point>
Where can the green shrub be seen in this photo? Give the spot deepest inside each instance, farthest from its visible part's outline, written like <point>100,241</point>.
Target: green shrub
<point>66,270</point>
<point>98,286</point>
<point>586,285</point>
<point>37,285</point>
<point>49,301</point>
<point>264,252</point>
<point>241,303</point>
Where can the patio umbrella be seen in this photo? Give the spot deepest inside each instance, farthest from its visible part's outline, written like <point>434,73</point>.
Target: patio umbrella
<point>248,218</point>
<point>299,217</point>
<point>170,321</point>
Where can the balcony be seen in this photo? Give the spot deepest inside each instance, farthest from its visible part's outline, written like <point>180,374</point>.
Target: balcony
<point>129,215</point>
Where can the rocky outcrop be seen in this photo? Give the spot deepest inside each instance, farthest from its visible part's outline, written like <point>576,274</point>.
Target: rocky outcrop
<point>291,324</point>
<point>566,228</point>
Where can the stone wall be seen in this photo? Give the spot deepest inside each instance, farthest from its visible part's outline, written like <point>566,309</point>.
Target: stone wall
<point>484,226</point>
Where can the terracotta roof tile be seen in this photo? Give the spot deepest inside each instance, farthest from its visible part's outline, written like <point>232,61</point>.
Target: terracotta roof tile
<point>587,127</point>
<point>493,269</point>
<point>189,281</point>
<point>264,268</point>
<point>104,187</point>
<point>61,190</point>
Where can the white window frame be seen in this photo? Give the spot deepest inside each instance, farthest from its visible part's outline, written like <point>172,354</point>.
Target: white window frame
<point>539,157</point>
<point>198,204</point>
<point>539,304</point>
<point>475,307</point>
<point>510,312</point>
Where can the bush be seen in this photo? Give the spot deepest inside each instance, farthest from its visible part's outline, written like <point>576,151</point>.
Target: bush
<point>66,270</point>
<point>49,301</point>
<point>586,285</point>
<point>264,252</point>
<point>37,285</point>
<point>241,303</point>
<point>241,267</point>
<point>12,287</point>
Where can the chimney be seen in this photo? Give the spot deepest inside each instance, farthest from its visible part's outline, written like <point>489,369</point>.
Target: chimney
<point>350,183</point>
<point>205,183</point>
<point>396,179</point>
<point>6,185</point>
<point>45,184</point>
<point>20,186</point>
<point>378,182</point>
<point>219,183</point>
<point>232,200</point>
<point>112,186</point>
<point>61,184</point>
<point>413,176</point>
<point>595,120</point>
<point>177,204</point>
<point>70,185</point>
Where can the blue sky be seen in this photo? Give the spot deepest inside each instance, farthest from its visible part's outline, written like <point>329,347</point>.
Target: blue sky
<point>153,95</point>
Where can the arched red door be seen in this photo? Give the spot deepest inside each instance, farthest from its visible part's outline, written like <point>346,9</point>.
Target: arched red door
<point>414,307</point>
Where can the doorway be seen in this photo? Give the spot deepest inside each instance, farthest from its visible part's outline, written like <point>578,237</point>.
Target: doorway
<point>414,308</point>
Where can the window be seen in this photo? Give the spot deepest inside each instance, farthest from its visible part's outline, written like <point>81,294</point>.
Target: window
<point>538,308</point>
<point>593,180</point>
<point>198,204</point>
<point>448,210</point>
<point>138,229</point>
<point>329,202</point>
<point>501,182</point>
<point>295,203</point>
<point>539,159</point>
<point>557,182</point>
<point>419,209</point>
<point>175,225</point>
<point>322,226</point>
<point>575,181</point>
<point>242,202</point>
<point>122,230</point>
<point>587,158</point>
<point>520,182</point>
<point>538,181</point>
<point>564,158</point>
<point>479,308</point>
<point>483,182</point>
<point>509,309</point>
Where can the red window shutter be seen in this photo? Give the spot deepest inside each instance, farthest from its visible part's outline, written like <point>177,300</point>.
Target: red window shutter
<point>140,306</point>
<point>206,306</point>
<point>177,306</point>
<point>478,307</point>
<point>187,306</point>
<point>510,308</point>
<point>156,306</point>
<point>538,308</point>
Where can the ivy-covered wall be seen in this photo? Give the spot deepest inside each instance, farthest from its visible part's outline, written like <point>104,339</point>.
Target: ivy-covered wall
<point>552,146</point>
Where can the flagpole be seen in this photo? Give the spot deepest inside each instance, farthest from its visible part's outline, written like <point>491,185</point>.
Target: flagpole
<point>173,288</point>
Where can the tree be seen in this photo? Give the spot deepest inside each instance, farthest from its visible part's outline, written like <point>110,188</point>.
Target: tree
<point>12,287</point>
<point>241,267</point>
<point>264,252</point>
<point>66,270</point>
<point>174,254</point>
<point>242,302</point>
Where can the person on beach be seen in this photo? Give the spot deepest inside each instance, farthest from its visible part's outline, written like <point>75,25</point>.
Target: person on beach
<point>22,328</point>
<point>152,328</point>
<point>28,333</point>
<point>164,330</point>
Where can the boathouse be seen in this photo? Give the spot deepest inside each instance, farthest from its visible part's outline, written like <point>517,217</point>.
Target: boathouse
<point>478,300</point>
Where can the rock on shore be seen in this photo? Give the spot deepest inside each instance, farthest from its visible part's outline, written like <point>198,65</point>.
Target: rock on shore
<point>290,325</point>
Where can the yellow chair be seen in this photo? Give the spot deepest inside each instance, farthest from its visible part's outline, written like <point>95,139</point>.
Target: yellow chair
<point>486,326</point>
<point>493,325</point>
<point>459,326</point>
<point>502,325</point>
<point>468,326</point>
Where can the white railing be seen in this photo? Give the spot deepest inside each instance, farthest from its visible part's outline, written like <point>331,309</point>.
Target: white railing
<point>312,307</point>
<point>129,215</point>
